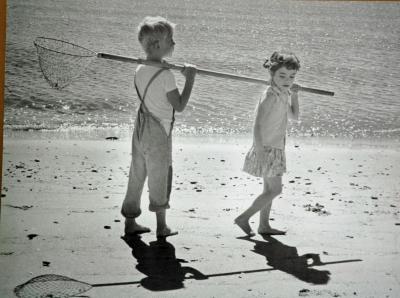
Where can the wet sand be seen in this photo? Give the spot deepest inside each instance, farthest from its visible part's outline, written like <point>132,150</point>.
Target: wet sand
<point>340,202</point>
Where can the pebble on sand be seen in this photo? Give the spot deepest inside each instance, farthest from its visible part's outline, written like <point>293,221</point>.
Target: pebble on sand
<point>46,263</point>
<point>31,236</point>
<point>304,292</point>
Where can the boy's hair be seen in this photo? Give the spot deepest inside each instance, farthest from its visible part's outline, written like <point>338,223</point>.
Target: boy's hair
<point>152,29</point>
<point>280,59</point>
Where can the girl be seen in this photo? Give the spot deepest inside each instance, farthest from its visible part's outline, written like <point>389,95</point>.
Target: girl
<point>266,157</point>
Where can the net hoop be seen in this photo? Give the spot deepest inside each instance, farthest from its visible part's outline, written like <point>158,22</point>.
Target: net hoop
<point>61,61</point>
<point>51,285</point>
<point>43,42</point>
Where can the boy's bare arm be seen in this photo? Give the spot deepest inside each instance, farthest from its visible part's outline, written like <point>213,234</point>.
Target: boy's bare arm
<point>179,101</point>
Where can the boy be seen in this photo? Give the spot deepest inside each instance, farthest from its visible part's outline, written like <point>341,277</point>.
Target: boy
<point>151,141</point>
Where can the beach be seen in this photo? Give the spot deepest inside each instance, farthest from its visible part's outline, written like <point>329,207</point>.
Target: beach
<point>60,214</point>
<point>66,153</point>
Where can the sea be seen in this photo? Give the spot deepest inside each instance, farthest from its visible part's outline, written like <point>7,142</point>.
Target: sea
<point>349,47</point>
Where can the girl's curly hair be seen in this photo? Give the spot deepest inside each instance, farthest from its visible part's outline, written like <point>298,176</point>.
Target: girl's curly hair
<point>280,59</point>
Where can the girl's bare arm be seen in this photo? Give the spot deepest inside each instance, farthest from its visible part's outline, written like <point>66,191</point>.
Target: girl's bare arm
<point>264,108</point>
<point>294,108</point>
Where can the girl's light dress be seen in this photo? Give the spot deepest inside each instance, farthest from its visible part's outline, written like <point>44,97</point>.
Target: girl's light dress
<point>272,161</point>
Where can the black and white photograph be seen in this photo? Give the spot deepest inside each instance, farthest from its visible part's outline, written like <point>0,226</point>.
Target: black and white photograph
<point>183,148</point>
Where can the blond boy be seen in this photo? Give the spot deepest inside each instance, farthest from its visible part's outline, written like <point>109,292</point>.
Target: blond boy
<point>152,136</point>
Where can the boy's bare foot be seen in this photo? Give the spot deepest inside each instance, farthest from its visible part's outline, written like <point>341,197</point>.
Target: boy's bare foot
<point>270,231</point>
<point>133,228</point>
<point>165,232</point>
<point>245,226</point>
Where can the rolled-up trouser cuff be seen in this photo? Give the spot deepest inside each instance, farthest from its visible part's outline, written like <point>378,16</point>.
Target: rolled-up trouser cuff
<point>131,215</point>
<point>156,208</point>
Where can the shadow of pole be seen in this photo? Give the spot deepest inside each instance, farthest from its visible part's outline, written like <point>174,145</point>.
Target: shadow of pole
<point>164,271</point>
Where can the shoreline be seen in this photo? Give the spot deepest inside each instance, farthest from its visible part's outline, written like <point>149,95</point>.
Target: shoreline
<point>125,134</point>
<point>339,201</point>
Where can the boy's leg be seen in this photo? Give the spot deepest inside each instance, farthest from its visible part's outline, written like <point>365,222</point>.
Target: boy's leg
<point>157,148</point>
<point>159,170</point>
<point>162,228</point>
<point>159,166</point>
<point>131,205</point>
<point>160,184</point>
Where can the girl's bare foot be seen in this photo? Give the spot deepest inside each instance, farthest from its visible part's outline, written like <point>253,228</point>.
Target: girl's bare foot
<point>165,232</point>
<point>245,226</point>
<point>133,228</point>
<point>270,231</point>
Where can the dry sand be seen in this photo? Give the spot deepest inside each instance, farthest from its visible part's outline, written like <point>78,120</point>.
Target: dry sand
<point>340,202</point>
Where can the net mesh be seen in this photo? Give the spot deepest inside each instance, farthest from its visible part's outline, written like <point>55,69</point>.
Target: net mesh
<point>61,62</point>
<point>51,286</point>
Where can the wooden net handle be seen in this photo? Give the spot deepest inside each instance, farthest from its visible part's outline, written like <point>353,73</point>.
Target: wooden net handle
<point>204,72</point>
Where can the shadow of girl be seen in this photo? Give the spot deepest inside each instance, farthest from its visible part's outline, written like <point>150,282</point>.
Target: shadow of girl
<point>157,260</point>
<point>285,258</point>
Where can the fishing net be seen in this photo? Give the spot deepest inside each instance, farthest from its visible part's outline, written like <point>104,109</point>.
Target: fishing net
<point>51,286</point>
<point>61,62</point>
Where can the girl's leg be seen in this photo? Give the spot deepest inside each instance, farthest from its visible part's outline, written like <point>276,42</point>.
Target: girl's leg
<point>264,215</point>
<point>272,188</point>
<point>264,227</point>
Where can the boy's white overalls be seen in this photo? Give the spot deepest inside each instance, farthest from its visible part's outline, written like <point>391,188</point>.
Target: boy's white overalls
<point>152,158</point>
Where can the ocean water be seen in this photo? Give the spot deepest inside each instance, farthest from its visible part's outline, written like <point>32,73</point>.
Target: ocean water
<point>351,48</point>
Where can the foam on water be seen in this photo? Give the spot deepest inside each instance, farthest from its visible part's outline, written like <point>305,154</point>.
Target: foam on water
<point>349,48</point>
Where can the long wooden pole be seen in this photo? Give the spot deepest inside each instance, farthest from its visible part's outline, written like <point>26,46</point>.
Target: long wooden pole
<point>203,72</point>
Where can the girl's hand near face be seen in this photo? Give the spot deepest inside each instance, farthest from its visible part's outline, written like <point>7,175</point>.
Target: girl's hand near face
<point>295,88</point>
<point>294,102</point>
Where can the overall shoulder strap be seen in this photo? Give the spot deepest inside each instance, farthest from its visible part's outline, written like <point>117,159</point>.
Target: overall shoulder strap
<point>142,98</point>
<point>143,105</point>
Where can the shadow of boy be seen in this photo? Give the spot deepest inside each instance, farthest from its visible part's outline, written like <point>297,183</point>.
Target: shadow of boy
<point>157,260</point>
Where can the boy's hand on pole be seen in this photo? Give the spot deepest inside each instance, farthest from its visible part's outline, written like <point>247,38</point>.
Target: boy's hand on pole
<point>189,71</point>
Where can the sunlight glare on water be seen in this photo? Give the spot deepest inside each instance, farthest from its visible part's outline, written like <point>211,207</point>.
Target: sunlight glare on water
<point>346,47</point>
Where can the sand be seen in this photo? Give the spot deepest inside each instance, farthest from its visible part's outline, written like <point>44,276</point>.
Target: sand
<point>61,203</point>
